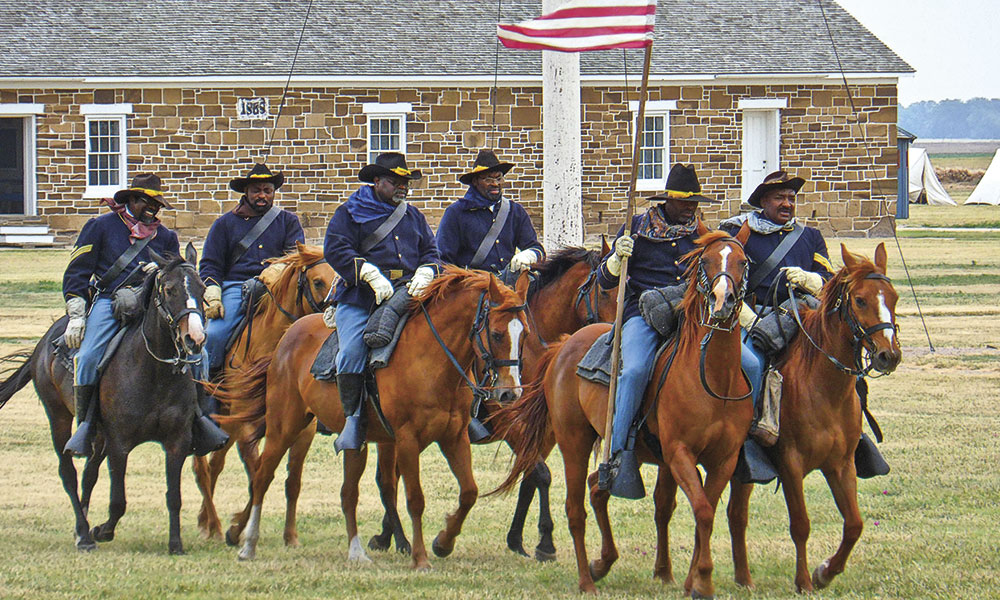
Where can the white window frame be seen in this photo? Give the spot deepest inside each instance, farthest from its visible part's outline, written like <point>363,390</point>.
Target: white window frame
<point>107,112</point>
<point>654,108</point>
<point>29,114</point>
<point>377,110</point>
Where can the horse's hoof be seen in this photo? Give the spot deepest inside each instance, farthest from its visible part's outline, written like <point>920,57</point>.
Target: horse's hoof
<point>697,596</point>
<point>176,551</point>
<point>378,544</point>
<point>517,548</point>
<point>88,545</point>
<point>423,566</point>
<point>596,573</point>
<point>232,539</point>
<point>99,535</point>
<point>819,578</point>
<point>544,556</point>
<point>246,554</point>
<point>588,588</point>
<point>439,550</point>
<point>404,548</point>
<point>664,578</point>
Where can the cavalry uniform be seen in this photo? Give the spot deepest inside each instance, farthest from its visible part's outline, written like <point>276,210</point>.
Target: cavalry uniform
<point>224,268</point>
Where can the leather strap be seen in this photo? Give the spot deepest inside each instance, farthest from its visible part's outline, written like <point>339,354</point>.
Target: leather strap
<point>244,244</point>
<point>491,236</point>
<point>122,261</point>
<point>767,267</point>
<point>384,229</point>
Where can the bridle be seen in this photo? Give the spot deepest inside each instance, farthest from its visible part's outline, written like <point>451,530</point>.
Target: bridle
<point>587,293</point>
<point>173,323</point>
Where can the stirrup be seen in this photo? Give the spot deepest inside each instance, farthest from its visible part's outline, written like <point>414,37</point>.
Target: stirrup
<point>627,482</point>
<point>753,465</point>
<point>207,437</point>
<point>352,436</point>
<point>478,432</point>
<point>81,444</point>
<point>868,461</point>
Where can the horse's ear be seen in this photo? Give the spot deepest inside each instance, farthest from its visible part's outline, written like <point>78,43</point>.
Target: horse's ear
<point>743,234</point>
<point>849,259</point>
<point>495,294</point>
<point>191,254</point>
<point>521,285</point>
<point>605,248</point>
<point>159,260</point>
<point>880,257</point>
<point>702,228</point>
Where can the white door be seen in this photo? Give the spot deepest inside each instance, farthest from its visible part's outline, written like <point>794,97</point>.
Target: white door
<point>760,147</point>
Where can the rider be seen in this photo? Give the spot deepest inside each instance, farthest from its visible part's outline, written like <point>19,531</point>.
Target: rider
<point>103,258</point>
<point>803,262</point>
<point>484,230</point>
<point>238,247</point>
<point>372,260</point>
<point>660,237</point>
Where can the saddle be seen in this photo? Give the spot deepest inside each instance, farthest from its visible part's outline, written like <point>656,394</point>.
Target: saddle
<point>65,354</point>
<point>251,292</point>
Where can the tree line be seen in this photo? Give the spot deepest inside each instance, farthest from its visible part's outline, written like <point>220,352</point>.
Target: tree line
<point>978,118</point>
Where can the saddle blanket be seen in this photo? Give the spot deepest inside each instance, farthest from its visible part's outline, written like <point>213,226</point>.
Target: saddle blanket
<point>324,367</point>
<point>596,364</point>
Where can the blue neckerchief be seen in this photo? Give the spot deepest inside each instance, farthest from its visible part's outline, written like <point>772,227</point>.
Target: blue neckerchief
<point>363,206</point>
<point>473,200</point>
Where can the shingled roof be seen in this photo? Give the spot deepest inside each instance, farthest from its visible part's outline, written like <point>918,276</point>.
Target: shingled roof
<point>419,38</point>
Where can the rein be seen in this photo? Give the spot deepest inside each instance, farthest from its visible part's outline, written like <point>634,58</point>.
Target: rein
<point>172,322</point>
<point>584,293</point>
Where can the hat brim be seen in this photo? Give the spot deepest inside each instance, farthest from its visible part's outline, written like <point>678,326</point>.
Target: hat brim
<point>795,183</point>
<point>468,178</point>
<point>240,184</point>
<point>368,173</point>
<point>123,196</point>
<point>696,198</point>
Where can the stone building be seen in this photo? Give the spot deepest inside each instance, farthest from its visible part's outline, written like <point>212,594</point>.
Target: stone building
<point>94,91</point>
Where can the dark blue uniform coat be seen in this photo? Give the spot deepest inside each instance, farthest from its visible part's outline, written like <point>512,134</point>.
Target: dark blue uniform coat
<point>217,264</point>
<point>464,225</point>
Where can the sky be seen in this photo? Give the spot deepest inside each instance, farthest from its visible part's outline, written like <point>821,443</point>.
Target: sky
<point>954,45</point>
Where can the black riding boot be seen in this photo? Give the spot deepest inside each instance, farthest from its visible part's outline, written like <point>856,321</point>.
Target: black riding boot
<point>81,444</point>
<point>351,387</point>
<point>205,435</point>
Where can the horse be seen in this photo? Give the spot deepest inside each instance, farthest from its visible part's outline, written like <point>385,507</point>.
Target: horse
<point>461,319</point>
<point>820,417</point>
<point>146,394</point>
<point>294,281</point>
<point>701,414</point>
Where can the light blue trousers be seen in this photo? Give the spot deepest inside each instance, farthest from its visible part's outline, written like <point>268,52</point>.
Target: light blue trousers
<point>101,327</point>
<point>352,357</point>
<point>639,343</point>
<point>752,362</point>
<point>219,330</point>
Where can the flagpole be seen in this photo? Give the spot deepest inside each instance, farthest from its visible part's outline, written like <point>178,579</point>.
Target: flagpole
<point>629,210</point>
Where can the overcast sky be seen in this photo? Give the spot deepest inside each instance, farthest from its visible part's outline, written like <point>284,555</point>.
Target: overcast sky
<point>954,45</point>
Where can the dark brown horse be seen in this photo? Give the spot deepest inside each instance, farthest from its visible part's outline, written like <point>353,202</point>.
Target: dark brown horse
<point>146,394</point>
<point>467,314</point>
<point>699,418</point>
<point>297,285</point>
<point>820,421</point>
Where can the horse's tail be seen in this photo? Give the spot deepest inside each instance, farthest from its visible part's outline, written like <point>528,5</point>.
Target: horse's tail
<point>20,367</point>
<point>524,424</point>
<point>244,393</point>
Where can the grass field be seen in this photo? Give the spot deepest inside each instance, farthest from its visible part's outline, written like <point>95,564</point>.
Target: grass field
<point>930,525</point>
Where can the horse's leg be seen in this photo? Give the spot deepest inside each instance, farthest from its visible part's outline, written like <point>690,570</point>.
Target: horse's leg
<point>60,429</point>
<point>609,553</point>
<point>546,549</point>
<point>91,470</point>
<point>175,464</point>
<point>665,501</point>
<point>798,522</point>
<point>575,455</point>
<point>844,485</point>
<point>206,474</point>
<point>738,513</point>
<point>525,494</point>
<point>251,462</point>
<point>459,455</point>
<point>685,471</point>
<point>117,463</point>
<point>354,468</point>
<point>293,483</point>
<point>408,459</point>
<point>387,480</point>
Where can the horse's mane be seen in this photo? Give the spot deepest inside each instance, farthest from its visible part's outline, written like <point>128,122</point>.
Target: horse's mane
<point>689,305</point>
<point>454,279</point>
<point>562,260</point>
<point>294,261</point>
<point>817,322</point>
<point>149,282</point>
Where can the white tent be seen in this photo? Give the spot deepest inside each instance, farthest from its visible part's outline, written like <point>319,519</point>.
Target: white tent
<point>924,184</point>
<point>988,190</point>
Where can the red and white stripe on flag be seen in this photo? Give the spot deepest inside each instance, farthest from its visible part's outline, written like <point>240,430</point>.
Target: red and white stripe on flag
<point>581,25</point>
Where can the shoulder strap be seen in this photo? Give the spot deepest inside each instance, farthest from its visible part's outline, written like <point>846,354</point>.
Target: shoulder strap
<point>251,236</point>
<point>384,229</point>
<point>123,261</point>
<point>491,236</point>
<point>767,267</point>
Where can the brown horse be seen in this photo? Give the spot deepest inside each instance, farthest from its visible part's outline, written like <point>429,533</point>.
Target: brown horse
<point>697,418</point>
<point>820,420</point>
<point>297,284</point>
<point>416,391</point>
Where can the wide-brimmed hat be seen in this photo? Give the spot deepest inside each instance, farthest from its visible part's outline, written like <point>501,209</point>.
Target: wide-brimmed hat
<point>143,184</point>
<point>258,174</point>
<point>387,164</point>
<point>486,161</point>
<point>778,180</point>
<point>682,184</point>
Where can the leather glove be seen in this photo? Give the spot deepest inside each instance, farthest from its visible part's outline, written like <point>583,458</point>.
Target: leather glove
<point>76,310</point>
<point>421,277</point>
<point>623,249</point>
<point>213,303</point>
<point>807,280</point>
<point>329,317</point>
<point>379,284</point>
<point>523,260</point>
<point>747,316</point>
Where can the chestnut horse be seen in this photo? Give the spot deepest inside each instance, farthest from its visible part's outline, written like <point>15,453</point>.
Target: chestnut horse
<point>820,421</point>
<point>701,414</point>
<point>297,284</point>
<point>462,317</point>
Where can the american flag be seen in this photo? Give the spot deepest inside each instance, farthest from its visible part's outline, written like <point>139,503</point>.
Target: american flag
<point>581,25</point>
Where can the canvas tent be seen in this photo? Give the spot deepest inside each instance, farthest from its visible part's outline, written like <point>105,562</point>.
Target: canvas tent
<point>924,185</point>
<point>988,190</point>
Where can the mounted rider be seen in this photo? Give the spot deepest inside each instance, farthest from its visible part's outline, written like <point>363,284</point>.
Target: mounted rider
<point>238,247</point>
<point>377,243</point>
<point>661,236</point>
<point>782,253</point>
<point>485,230</point>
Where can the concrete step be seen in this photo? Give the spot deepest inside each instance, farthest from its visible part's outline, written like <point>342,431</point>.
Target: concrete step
<point>27,240</point>
<point>24,230</point>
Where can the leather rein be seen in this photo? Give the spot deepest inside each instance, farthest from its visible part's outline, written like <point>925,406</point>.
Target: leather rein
<point>173,323</point>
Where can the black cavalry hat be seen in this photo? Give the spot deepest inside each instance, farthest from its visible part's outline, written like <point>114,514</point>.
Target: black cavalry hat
<point>388,163</point>
<point>682,184</point>
<point>143,184</point>
<point>778,180</point>
<point>486,161</point>
<point>258,174</point>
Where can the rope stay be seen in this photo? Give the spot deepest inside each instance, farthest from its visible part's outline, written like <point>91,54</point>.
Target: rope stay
<point>288,81</point>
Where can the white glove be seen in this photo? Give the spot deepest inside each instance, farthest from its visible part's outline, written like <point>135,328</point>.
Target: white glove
<point>623,249</point>
<point>379,284</point>
<point>523,260</point>
<point>149,267</point>
<point>747,316</point>
<point>329,317</point>
<point>421,277</point>
<point>76,309</point>
<point>807,280</point>
<point>213,303</point>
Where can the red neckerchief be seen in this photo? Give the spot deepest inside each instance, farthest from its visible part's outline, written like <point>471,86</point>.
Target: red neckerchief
<point>138,229</point>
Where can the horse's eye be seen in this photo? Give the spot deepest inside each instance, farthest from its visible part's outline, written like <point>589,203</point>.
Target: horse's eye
<point>318,284</point>
<point>497,336</point>
<point>859,301</point>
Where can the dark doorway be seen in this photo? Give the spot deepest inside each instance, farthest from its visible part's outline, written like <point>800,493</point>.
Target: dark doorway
<point>12,166</point>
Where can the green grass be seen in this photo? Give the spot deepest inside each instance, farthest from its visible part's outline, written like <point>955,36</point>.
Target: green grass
<point>970,161</point>
<point>949,235</point>
<point>922,215</point>
<point>965,279</point>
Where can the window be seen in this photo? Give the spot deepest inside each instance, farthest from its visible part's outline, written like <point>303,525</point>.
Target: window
<point>654,147</point>
<point>386,127</point>
<point>106,148</point>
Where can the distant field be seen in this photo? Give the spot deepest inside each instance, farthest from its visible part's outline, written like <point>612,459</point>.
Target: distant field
<point>922,215</point>
<point>972,162</point>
